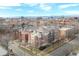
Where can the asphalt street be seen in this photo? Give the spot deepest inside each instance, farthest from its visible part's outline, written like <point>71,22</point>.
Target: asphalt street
<point>66,48</point>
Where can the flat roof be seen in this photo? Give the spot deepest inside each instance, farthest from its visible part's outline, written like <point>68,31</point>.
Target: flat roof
<point>65,28</point>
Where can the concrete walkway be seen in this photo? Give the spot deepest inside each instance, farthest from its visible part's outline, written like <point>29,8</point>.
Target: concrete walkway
<point>2,51</point>
<point>16,50</point>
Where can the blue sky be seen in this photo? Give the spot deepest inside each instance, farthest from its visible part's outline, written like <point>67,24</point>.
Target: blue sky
<point>39,9</point>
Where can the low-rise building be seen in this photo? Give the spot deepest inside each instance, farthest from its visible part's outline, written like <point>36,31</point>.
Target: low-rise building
<point>44,35</point>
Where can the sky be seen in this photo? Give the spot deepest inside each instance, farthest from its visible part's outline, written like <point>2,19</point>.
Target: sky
<point>20,8</point>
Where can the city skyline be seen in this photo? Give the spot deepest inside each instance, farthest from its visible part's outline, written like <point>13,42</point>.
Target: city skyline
<point>39,9</point>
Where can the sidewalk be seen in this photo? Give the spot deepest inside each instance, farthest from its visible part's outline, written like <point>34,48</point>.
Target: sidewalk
<point>2,51</point>
<point>17,50</point>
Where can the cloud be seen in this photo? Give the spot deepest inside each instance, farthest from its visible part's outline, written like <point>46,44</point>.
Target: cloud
<point>10,2</point>
<point>18,9</point>
<point>18,2</point>
<point>42,6</point>
<point>32,4</point>
<point>67,6</point>
<point>5,7</point>
<point>72,12</point>
<point>45,7</point>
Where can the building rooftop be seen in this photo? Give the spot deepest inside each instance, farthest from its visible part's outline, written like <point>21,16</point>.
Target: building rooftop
<point>64,28</point>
